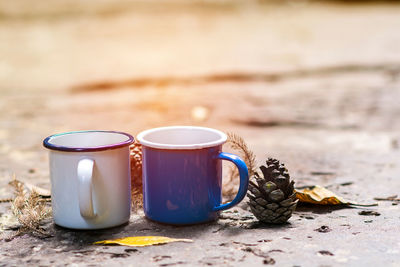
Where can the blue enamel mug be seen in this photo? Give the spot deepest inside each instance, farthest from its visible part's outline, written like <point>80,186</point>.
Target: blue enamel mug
<point>182,174</point>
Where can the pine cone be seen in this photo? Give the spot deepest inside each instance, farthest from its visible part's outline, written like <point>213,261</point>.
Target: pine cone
<point>136,175</point>
<point>272,197</point>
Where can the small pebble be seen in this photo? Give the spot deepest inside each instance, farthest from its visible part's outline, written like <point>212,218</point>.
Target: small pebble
<point>323,229</point>
<point>264,240</point>
<point>326,253</point>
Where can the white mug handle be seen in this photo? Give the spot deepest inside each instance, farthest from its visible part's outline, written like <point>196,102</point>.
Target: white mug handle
<point>85,177</point>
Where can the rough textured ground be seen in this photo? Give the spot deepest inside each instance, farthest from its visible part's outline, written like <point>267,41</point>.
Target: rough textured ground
<point>313,84</point>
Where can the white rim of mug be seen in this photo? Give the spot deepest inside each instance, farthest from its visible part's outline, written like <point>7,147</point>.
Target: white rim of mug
<point>141,138</point>
<point>47,142</point>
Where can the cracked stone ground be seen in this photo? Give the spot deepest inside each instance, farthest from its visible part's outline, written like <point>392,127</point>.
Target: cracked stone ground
<point>316,85</point>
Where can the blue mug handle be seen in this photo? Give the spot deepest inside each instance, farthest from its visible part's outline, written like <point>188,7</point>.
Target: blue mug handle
<point>244,180</point>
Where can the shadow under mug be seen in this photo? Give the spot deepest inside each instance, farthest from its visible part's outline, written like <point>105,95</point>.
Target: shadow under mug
<point>90,178</point>
<point>182,174</point>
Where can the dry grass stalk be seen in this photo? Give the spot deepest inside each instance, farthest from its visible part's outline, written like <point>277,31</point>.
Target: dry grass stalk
<point>30,210</point>
<point>237,143</point>
<point>136,176</point>
<point>137,199</point>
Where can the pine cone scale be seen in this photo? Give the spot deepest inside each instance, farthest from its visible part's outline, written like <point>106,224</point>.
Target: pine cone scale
<point>286,203</point>
<point>261,201</point>
<point>272,206</point>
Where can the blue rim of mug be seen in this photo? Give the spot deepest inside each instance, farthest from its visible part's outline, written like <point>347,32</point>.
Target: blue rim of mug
<point>141,138</point>
<point>47,144</point>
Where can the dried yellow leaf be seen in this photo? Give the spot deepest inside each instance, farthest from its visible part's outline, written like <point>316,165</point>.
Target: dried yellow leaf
<point>141,241</point>
<point>41,191</point>
<point>322,196</point>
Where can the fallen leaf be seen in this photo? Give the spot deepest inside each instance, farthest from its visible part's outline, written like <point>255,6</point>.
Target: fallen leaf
<point>44,193</point>
<point>141,241</point>
<point>322,196</point>
<point>41,191</point>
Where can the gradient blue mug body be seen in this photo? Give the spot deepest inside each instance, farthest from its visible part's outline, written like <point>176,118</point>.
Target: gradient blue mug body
<point>182,174</point>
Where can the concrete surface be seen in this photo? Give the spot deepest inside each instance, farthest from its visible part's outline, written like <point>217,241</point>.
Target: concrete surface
<point>315,85</point>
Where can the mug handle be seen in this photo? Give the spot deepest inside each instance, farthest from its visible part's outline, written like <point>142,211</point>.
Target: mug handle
<point>85,176</point>
<point>244,180</point>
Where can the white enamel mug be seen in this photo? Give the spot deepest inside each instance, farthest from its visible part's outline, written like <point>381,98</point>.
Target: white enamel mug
<point>90,178</point>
